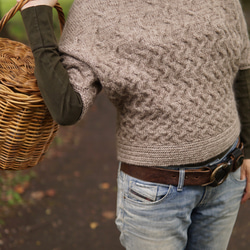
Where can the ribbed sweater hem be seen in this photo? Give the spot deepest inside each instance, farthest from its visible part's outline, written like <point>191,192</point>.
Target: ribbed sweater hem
<point>172,155</point>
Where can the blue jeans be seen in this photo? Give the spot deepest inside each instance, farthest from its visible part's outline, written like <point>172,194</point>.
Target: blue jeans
<point>153,216</point>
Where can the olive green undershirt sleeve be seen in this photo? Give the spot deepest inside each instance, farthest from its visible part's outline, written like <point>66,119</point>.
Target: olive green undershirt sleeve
<point>242,95</point>
<point>64,104</point>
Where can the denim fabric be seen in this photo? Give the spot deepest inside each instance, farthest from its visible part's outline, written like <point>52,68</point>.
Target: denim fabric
<point>153,216</point>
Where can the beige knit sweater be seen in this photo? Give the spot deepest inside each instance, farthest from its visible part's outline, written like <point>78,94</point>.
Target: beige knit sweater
<point>167,66</point>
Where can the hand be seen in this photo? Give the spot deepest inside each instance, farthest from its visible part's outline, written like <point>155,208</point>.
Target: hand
<point>245,174</point>
<point>32,3</point>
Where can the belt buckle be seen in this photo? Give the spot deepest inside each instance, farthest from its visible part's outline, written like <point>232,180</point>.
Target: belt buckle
<point>238,157</point>
<point>220,174</point>
<point>221,171</point>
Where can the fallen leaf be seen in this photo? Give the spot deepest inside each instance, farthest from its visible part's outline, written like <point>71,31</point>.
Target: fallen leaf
<point>37,195</point>
<point>50,192</point>
<point>21,241</point>
<point>48,211</point>
<point>108,215</point>
<point>104,185</point>
<point>93,225</point>
<point>77,174</point>
<point>38,243</point>
<point>19,189</point>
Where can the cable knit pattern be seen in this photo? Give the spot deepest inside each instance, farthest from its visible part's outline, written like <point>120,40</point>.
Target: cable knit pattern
<point>167,66</point>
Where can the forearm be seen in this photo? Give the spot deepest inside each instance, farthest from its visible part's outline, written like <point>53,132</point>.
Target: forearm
<point>242,95</point>
<point>63,102</point>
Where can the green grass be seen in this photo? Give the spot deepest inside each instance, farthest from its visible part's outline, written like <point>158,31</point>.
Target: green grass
<point>13,184</point>
<point>15,25</point>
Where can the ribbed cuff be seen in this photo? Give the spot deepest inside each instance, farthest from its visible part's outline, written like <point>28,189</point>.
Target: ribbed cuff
<point>38,23</point>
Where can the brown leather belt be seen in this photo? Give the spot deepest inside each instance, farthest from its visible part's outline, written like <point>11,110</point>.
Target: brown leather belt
<point>204,176</point>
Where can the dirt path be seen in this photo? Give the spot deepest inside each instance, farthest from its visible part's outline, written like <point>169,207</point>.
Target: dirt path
<point>80,214</point>
<point>83,175</point>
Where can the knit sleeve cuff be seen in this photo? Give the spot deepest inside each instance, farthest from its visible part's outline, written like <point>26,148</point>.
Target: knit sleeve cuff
<point>38,23</point>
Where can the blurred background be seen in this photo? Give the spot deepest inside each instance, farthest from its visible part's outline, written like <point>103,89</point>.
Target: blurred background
<point>15,28</point>
<point>69,200</point>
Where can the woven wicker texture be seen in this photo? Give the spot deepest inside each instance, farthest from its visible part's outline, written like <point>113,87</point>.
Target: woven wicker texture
<point>26,126</point>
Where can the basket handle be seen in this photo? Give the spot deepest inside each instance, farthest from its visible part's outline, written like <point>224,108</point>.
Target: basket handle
<point>18,7</point>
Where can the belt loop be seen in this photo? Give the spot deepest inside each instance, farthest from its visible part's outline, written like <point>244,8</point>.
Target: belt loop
<point>181,180</point>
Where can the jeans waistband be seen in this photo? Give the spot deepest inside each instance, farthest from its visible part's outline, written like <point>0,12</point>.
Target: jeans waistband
<point>209,163</point>
<point>212,174</point>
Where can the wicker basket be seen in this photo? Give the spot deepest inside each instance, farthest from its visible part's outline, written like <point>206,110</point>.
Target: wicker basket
<point>26,126</point>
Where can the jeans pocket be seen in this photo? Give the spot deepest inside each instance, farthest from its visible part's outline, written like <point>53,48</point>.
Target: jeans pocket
<point>235,176</point>
<point>146,193</point>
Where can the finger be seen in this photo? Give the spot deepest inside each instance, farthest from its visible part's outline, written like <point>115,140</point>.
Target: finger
<point>246,195</point>
<point>245,174</point>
